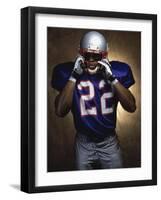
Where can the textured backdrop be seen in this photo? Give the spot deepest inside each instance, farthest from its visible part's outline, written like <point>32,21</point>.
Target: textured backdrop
<point>62,46</point>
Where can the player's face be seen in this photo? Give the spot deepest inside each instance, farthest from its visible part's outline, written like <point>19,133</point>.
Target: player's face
<point>91,61</point>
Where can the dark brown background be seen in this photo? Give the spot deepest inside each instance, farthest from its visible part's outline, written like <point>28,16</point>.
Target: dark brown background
<point>62,47</point>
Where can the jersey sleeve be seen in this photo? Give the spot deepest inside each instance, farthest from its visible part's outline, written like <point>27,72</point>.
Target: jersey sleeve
<point>60,75</point>
<point>128,79</point>
<point>124,74</point>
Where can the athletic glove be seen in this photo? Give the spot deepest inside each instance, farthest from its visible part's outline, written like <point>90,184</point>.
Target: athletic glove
<point>78,69</point>
<point>105,68</point>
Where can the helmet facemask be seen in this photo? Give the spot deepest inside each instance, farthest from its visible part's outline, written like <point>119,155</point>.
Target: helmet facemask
<point>91,61</point>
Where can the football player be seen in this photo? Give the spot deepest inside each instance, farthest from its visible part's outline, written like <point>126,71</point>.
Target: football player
<point>91,88</point>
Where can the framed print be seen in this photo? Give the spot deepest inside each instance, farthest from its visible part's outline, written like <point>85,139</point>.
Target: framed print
<point>88,99</point>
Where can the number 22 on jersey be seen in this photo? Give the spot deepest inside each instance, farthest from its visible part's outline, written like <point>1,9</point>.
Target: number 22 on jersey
<point>84,98</point>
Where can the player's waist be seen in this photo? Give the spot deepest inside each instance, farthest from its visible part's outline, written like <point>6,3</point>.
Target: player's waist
<point>96,138</point>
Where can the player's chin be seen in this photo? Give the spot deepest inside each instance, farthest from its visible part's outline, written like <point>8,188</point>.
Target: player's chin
<point>92,69</point>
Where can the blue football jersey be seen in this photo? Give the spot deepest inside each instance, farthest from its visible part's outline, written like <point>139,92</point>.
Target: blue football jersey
<point>94,103</point>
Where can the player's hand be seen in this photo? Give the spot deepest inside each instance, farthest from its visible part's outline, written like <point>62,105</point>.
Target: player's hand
<point>105,68</point>
<point>78,65</point>
<point>78,68</point>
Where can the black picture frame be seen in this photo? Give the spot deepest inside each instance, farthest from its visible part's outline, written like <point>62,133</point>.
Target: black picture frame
<point>28,98</point>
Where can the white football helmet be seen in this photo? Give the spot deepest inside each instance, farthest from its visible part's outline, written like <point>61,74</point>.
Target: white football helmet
<point>93,47</point>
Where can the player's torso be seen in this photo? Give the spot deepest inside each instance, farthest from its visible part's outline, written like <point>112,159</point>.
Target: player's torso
<point>94,105</point>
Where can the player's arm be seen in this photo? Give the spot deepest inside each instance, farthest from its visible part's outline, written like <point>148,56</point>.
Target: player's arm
<point>63,101</point>
<point>123,94</point>
<point>125,97</point>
